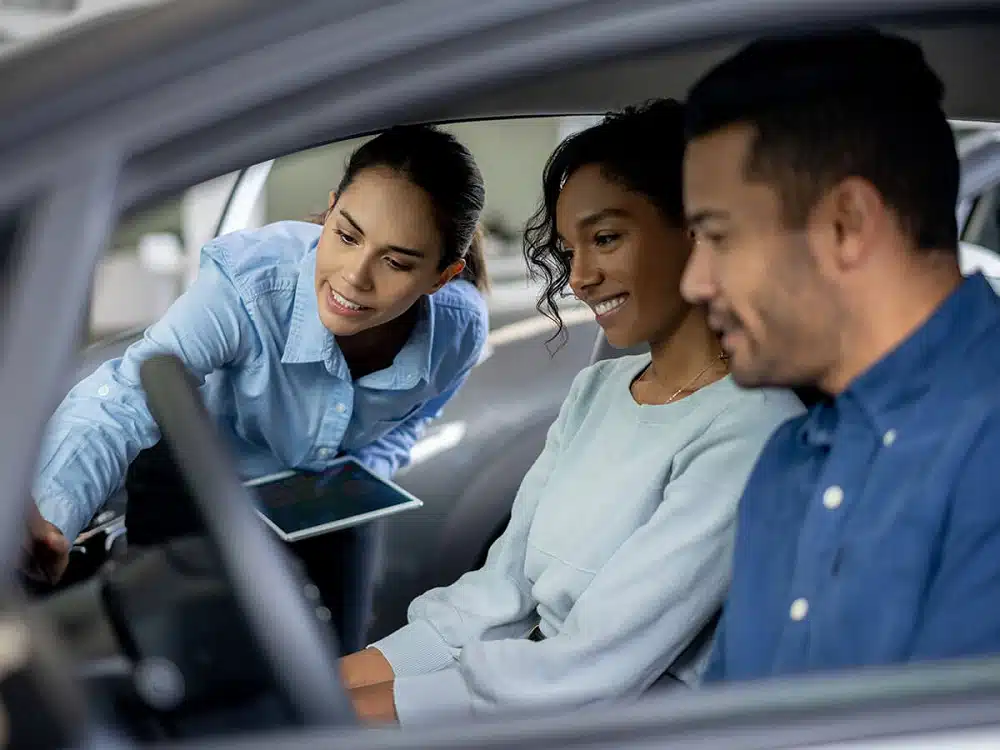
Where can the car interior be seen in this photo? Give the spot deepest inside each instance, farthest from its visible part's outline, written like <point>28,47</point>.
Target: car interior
<point>217,639</point>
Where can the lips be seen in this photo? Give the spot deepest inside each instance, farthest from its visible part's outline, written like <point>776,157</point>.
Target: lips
<point>727,335</point>
<point>608,306</point>
<point>343,305</point>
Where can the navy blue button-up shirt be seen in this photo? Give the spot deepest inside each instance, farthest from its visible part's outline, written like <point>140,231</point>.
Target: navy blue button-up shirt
<point>869,531</point>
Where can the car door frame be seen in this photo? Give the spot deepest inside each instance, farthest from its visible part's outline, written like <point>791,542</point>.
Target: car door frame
<point>75,199</point>
<point>913,707</point>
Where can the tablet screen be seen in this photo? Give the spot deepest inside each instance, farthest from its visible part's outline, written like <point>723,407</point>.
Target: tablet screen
<point>300,505</point>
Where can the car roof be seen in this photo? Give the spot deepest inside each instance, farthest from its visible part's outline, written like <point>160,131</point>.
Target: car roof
<point>96,79</point>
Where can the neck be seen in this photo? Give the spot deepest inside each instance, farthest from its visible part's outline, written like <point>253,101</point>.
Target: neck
<point>894,312</point>
<point>687,350</point>
<point>375,348</point>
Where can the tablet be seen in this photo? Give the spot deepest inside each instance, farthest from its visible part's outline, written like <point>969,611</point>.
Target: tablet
<point>302,505</point>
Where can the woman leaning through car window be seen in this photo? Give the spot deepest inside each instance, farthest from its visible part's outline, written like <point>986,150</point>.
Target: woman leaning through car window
<point>618,548</point>
<point>310,340</point>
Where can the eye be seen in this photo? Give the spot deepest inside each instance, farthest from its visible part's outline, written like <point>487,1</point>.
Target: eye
<point>395,265</point>
<point>346,238</point>
<point>606,239</point>
<point>564,252</point>
<point>713,239</point>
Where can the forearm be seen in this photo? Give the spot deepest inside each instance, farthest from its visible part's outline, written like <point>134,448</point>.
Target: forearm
<point>86,451</point>
<point>390,453</point>
<point>105,421</point>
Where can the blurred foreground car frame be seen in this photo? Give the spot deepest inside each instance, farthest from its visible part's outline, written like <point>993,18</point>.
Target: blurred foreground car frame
<point>134,107</point>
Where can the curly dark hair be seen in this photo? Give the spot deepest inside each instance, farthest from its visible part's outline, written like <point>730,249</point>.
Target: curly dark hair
<point>641,148</point>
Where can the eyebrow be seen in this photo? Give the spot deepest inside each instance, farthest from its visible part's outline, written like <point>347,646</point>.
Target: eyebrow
<point>700,217</point>
<point>395,248</point>
<point>598,216</point>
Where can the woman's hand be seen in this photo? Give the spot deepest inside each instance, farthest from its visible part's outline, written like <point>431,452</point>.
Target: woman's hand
<point>46,550</point>
<point>368,677</point>
<point>365,668</point>
<point>375,704</point>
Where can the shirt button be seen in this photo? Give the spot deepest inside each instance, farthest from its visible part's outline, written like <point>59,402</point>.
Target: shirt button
<point>340,408</point>
<point>799,610</point>
<point>833,497</point>
<point>889,438</point>
<point>324,452</point>
<point>103,391</point>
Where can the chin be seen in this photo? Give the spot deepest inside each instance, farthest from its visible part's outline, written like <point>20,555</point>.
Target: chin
<point>620,339</point>
<point>745,378</point>
<point>339,326</point>
<point>746,375</point>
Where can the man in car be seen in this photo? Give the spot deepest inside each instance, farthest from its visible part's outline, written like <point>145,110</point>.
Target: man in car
<point>820,181</point>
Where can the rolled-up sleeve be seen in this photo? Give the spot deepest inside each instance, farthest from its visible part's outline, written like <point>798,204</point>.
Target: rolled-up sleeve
<point>104,421</point>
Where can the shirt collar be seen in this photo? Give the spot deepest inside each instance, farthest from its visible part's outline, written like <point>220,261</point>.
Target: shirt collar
<point>413,362</point>
<point>907,372</point>
<point>310,341</point>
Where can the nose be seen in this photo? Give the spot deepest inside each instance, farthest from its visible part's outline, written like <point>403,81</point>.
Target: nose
<point>584,273</point>
<point>698,279</point>
<point>357,271</point>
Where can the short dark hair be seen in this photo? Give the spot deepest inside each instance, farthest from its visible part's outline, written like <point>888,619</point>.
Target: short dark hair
<point>640,147</point>
<point>443,168</point>
<point>835,105</point>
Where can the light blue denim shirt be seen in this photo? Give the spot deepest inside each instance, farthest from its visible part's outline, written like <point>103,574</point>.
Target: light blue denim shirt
<point>272,376</point>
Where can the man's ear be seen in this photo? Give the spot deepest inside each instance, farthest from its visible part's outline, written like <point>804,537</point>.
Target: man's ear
<point>858,213</point>
<point>333,199</point>
<point>448,274</point>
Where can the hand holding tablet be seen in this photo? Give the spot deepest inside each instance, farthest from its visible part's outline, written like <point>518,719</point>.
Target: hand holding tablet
<point>302,505</point>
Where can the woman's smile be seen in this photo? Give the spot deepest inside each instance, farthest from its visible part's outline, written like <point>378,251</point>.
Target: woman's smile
<point>344,306</point>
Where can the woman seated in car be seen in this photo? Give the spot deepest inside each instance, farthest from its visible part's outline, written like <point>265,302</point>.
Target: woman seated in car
<point>618,548</point>
<point>346,335</point>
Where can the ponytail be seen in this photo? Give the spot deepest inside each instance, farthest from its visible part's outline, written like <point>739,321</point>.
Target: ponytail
<point>475,271</point>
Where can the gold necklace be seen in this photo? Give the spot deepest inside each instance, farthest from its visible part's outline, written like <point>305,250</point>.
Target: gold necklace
<point>692,381</point>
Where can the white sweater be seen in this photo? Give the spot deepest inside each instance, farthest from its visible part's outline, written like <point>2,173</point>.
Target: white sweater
<point>619,546</point>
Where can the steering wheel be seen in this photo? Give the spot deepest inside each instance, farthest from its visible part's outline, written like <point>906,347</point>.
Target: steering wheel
<point>296,647</point>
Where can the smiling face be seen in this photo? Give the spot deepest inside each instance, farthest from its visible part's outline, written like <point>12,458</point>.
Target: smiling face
<point>768,289</point>
<point>627,259</point>
<point>379,252</point>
